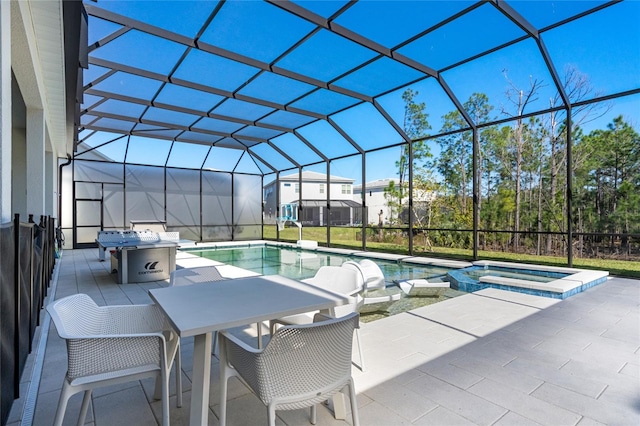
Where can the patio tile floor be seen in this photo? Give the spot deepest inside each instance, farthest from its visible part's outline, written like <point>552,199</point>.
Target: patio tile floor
<point>487,358</point>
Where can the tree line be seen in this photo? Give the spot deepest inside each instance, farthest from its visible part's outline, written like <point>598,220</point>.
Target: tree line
<point>521,175</point>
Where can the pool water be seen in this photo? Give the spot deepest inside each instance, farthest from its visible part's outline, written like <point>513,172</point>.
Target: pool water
<point>538,276</point>
<point>301,264</point>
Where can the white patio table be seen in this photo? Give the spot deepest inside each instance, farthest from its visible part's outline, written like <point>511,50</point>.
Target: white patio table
<point>199,310</point>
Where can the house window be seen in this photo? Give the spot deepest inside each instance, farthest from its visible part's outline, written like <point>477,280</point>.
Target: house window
<point>322,188</point>
<point>346,189</point>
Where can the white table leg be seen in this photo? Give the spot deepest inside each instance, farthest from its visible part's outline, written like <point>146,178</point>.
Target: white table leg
<point>123,266</point>
<point>259,332</point>
<point>199,413</point>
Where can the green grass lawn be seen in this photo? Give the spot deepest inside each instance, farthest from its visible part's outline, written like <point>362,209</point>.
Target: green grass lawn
<point>350,238</point>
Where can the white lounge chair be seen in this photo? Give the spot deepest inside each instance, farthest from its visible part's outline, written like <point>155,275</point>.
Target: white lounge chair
<point>301,366</point>
<point>373,278</point>
<point>98,337</point>
<point>371,273</point>
<point>411,287</point>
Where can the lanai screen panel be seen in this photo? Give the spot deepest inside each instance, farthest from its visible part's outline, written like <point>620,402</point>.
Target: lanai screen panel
<point>247,206</point>
<point>113,206</point>
<point>144,193</point>
<point>183,202</point>
<point>216,206</point>
<point>96,171</point>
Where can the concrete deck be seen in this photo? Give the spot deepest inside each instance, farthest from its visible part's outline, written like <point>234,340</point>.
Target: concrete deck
<point>488,358</point>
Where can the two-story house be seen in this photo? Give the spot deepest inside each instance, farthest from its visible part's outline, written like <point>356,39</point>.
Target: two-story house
<point>310,192</point>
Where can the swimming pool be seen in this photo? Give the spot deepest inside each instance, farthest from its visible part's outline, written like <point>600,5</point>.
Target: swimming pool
<point>290,261</point>
<point>300,264</point>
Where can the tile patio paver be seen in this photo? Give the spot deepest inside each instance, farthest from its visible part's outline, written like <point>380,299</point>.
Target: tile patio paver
<point>509,377</point>
<point>524,404</point>
<point>472,407</point>
<point>442,416</point>
<point>488,358</point>
<point>599,410</point>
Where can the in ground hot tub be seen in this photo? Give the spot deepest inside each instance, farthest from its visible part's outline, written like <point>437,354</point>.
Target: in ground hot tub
<point>538,280</point>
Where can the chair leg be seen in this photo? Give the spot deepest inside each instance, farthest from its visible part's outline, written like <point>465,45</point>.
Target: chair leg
<point>165,398</point>
<point>271,410</point>
<point>65,394</point>
<point>354,404</point>
<point>359,342</point>
<point>313,415</point>
<point>223,400</point>
<point>259,332</point>
<point>85,407</point>
<point>214,343</point>
<point>225,373</point>
<point>178,362</point>
<point>157,388</point>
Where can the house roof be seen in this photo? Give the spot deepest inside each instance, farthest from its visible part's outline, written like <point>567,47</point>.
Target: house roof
<point>310,176</point>
<point>375,184</point>
<point>332,203</point>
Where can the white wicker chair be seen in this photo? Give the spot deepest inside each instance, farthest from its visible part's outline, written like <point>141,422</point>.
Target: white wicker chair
<point>347,281</point>
<point>301,366</point>
<point>107,345</point>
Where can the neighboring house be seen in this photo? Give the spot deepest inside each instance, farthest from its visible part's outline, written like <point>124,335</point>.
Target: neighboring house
<point>375,200</point>
<point>422,207</point>
<point>312,210</point>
